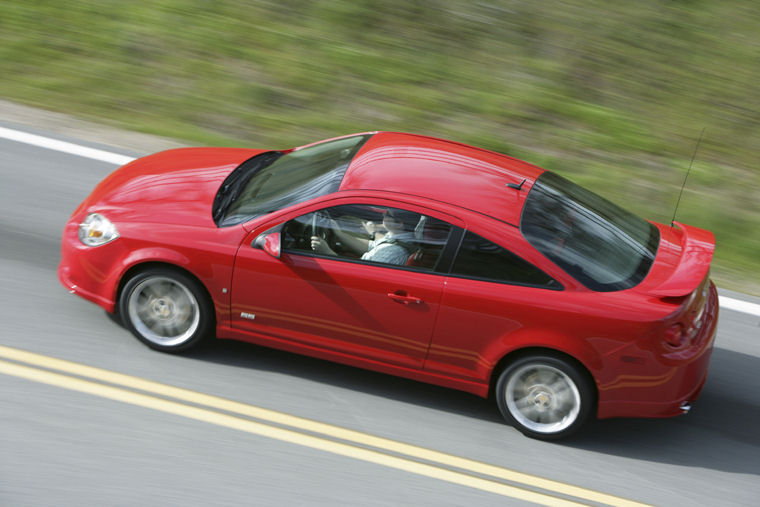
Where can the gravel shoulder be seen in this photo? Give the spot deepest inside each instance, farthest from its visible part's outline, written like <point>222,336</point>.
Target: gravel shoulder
<point>13,114</point>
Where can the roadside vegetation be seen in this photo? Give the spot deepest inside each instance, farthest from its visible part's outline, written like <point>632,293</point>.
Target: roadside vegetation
<point>611,96</point>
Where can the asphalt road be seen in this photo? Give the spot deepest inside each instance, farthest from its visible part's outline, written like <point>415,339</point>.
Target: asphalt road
<point>73,436</point>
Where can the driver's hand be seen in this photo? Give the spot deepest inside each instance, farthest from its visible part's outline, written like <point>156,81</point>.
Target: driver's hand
<point>320,246</point>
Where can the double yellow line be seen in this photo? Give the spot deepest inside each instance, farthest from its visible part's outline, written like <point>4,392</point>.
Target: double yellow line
<point>297,430</point>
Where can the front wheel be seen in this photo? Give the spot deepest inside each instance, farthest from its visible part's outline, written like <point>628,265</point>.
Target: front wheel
<point>166,309</point>
<point>545,397</point>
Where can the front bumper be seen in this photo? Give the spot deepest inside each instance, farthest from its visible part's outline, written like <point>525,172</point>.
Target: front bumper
<point>89,271</point>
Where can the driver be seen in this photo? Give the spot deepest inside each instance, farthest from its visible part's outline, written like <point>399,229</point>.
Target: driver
<point>394,247</point>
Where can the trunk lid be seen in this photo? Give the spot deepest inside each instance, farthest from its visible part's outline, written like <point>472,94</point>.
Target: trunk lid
<point>682,262</point>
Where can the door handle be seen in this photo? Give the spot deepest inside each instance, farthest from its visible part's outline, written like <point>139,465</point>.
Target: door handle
<point>402,297</point>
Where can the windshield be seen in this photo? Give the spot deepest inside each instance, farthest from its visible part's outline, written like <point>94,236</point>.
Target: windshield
<point>599,244</point>
<point>293,178</point>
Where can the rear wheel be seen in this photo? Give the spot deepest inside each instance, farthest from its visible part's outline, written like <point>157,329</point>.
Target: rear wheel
<point>166,309</point>
<point>545,397</point>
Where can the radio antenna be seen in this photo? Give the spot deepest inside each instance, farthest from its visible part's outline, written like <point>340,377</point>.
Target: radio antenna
<point>687,176</point>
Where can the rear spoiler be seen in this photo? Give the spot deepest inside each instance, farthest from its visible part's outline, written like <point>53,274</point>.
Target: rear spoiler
<point>697,248</point>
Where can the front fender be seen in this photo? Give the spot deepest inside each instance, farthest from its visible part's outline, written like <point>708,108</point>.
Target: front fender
<point>212,270</point>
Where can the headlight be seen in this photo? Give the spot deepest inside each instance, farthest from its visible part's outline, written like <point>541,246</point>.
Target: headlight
<point>97,230</point>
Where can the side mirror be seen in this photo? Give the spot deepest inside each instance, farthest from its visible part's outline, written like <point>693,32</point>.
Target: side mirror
<point>269,242</point>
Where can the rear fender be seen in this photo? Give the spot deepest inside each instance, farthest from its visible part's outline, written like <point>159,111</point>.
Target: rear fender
<point>513,345</point>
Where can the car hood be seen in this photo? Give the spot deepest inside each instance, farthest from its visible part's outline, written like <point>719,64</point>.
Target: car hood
<point>175,186</point>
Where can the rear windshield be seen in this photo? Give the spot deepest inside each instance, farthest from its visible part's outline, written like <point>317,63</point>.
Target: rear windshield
<point>599,244</point>
<point>292,178</point>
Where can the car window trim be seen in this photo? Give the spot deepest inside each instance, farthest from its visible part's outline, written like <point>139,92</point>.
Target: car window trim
<point>558,287</point>
<point>362,262</point>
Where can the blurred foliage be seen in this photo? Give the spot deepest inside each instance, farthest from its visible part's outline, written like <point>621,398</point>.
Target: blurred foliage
<point>613,96</point>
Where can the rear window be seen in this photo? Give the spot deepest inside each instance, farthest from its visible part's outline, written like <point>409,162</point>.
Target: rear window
<point>598,243</point>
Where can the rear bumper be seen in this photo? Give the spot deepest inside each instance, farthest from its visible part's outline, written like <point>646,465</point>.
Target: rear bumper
<point>669,408</point>
<point>677,383</point>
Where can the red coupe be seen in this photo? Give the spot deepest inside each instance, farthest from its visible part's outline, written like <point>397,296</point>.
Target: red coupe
<point>413,256</point>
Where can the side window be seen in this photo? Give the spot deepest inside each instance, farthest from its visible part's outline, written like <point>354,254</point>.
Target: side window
<point>481,258</point>
<point>369,233</point>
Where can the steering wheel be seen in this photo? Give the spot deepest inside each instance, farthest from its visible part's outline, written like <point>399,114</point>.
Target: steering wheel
<point>321,227</point>
<point>320,224</point>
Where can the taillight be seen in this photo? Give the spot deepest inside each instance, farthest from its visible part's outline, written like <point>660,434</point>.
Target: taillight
<point>675,336</point>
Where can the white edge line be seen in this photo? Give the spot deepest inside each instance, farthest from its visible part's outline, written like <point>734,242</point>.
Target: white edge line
<point>115,158</point>
<point>739,306</point>
<point>74,149</point>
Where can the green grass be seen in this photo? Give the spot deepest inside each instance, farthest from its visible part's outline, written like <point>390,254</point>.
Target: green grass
<point>613,96</point>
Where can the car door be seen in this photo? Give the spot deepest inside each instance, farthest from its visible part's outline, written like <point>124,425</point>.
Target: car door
<point>490,293</point>
<point>335,300</point>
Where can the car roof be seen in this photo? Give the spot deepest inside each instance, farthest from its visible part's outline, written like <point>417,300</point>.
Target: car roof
<point>445,171</point>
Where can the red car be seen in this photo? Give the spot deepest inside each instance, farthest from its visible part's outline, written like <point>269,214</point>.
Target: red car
<point>413,256</point>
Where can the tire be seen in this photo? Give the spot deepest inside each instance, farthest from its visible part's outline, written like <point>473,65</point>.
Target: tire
<point>545,397</point>
<point>166,309</point>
